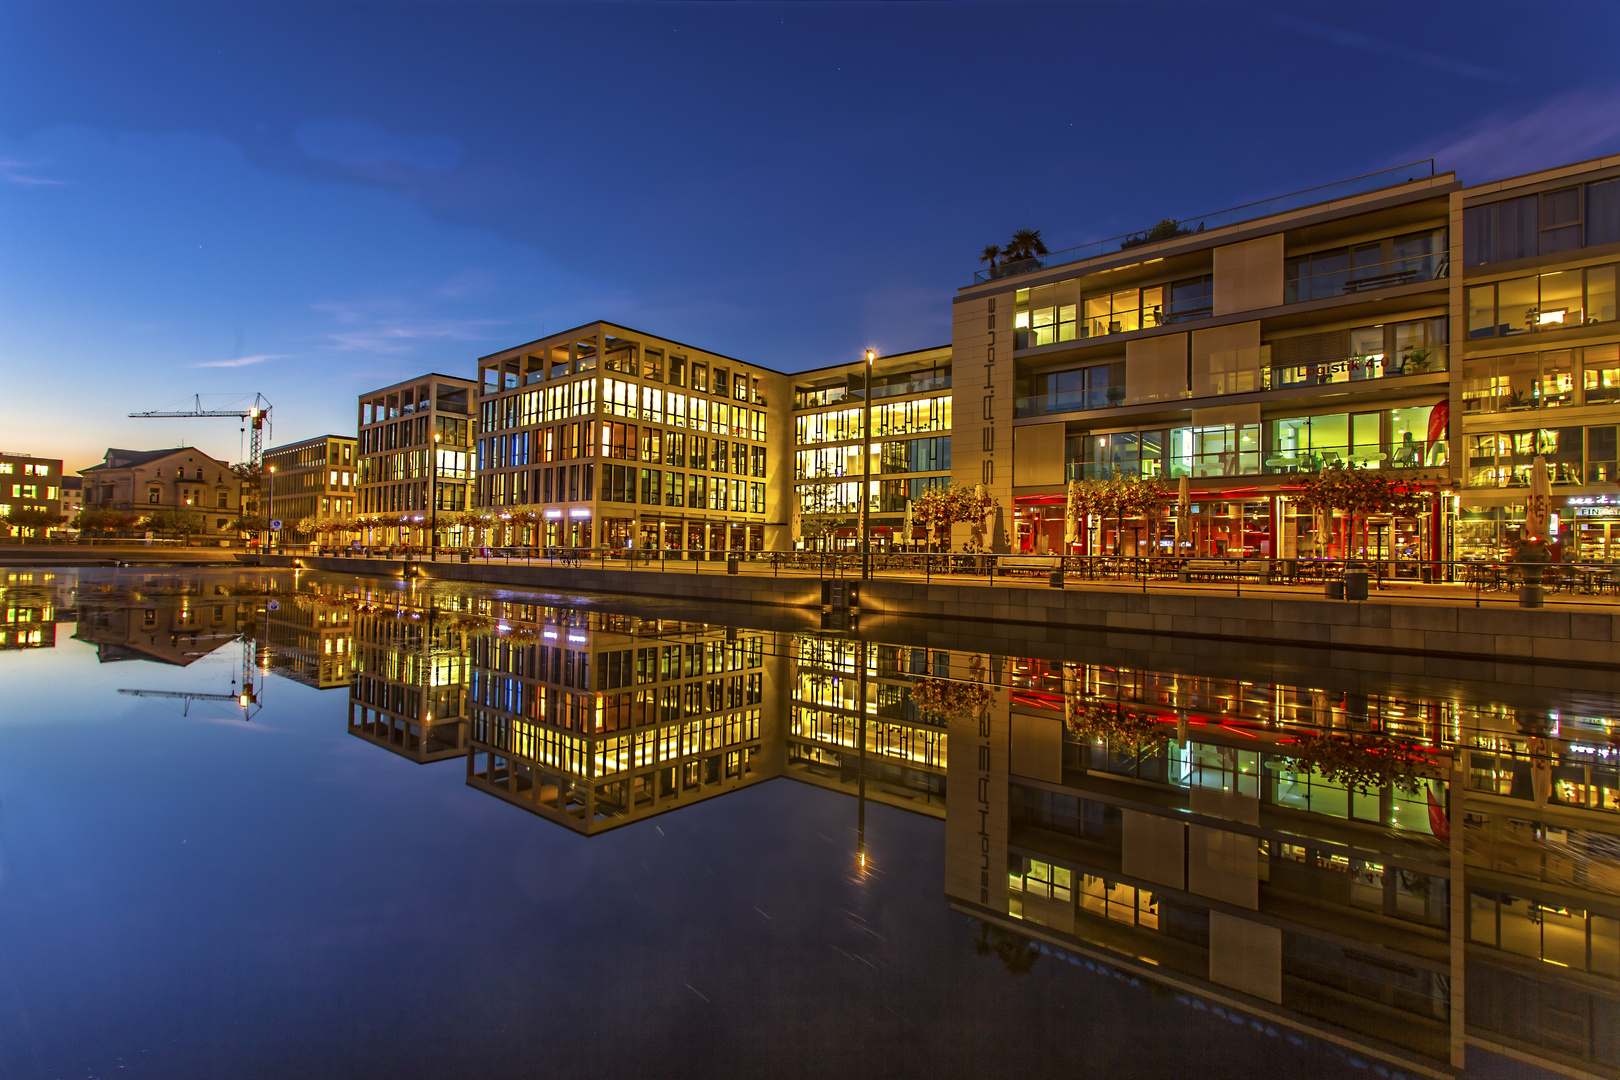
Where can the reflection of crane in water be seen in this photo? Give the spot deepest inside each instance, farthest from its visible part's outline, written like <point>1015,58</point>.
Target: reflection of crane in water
<point>245,694</point>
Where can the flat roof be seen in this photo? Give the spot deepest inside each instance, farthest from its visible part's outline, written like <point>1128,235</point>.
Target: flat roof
<point>417,379</point>
<point>633,330</point>
<point>829,368</point>
<point>305,442</point>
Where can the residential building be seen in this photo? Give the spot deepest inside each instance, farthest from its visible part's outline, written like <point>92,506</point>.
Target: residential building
<point>1238,350</point>
<point>182,478</point>
<point>415,454</point>
<point>1540,371</point>
<point>910,447</point>
<point>315,478</point>
<point>1248,349</point>
<point>29,483</point>
<point>624,439</point>
<point>72,496</point>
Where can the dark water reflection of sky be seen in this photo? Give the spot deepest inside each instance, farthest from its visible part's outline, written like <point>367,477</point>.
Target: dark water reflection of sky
<point>194,896</point>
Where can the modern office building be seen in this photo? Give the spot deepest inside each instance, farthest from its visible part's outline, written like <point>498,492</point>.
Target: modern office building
<point>182,478</point>
<point>415,452</point>
<point>29,483</point>
<point>1540,371</point>
<point>312,479</point>
<point>622,439</point>
<point>910,446</point>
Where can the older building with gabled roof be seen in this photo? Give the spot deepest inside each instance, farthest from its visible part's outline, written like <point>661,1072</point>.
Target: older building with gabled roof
<point>181,478</point>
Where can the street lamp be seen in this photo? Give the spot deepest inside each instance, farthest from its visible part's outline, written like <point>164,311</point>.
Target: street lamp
<point>270,514</point>
<point>866,466</point>
<point>433,545</point>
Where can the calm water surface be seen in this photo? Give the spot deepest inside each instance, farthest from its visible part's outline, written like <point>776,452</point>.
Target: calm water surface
<point>429,832</point>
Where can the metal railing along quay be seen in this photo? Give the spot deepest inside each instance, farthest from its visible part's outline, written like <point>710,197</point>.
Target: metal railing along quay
<point>1479,581</point>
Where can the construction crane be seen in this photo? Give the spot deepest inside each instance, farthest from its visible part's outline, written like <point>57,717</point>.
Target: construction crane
<point>258,415</point>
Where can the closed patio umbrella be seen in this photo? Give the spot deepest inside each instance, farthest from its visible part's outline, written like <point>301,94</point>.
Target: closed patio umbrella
<point>1538,512</point>
<point>987,520</point>
<point>1071,523</point>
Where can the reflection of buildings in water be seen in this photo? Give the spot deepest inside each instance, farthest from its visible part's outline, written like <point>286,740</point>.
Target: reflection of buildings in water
<point>1171,825</point>
<point>310,637</point>
<point>595,720</point>
<point>408,687</point>
<point>855,727</point>
<point>31,602</point>
<point>1190,830</point>
<point>166,629</point>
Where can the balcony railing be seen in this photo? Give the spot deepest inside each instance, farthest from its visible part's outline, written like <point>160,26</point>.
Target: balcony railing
<point>1069,401</point>
<point>1420,361</point>
<point>1401,174</point>
<point>1396,455</point>
<point>1348,280</point>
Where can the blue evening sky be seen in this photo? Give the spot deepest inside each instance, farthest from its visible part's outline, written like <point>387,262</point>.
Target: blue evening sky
<point>311,201</point>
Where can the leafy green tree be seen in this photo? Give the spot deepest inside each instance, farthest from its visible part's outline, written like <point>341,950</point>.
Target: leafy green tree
<point>32,520</point>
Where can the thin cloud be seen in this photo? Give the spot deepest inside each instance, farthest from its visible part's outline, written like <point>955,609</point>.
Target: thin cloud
<point>350,140</point>
<point>242,361</point>
<point>1349,39</point>
<point>381,329</point>
<point>1570,127</point>
<point>14,171</point>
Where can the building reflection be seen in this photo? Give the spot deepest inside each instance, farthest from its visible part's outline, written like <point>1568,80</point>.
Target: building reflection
<point>166,617</point>
<point>408,688</point>
<point>32,602</point>
<point>1402,872</point>
<point>311,637</point>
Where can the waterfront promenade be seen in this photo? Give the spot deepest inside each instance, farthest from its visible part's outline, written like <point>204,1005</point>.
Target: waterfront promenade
<point>1429,621</point>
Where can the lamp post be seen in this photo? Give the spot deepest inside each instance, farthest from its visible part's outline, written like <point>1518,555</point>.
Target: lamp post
<point>866,467</point>
<point>270,513</point>
<point>433,543</point>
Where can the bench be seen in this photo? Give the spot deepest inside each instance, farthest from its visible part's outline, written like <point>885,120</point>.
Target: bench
<point>1032,563</point>
<point>1225,570</point>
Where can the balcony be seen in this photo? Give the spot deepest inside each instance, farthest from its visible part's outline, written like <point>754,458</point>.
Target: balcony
<point>1351,278</point>
<point>1064,401</point>
<point>1401,174</point>
<point>1305,461</point>
<point>1416,361</point>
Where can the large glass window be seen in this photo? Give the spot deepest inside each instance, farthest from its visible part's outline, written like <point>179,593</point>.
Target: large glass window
<point>1123,311</point>
<point>1542,380</point>
<point>1096,386</point>
<point>1504,458</point>
<point>1045,315</point>
<point>1549,301</point>
<point>1412,347</point>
